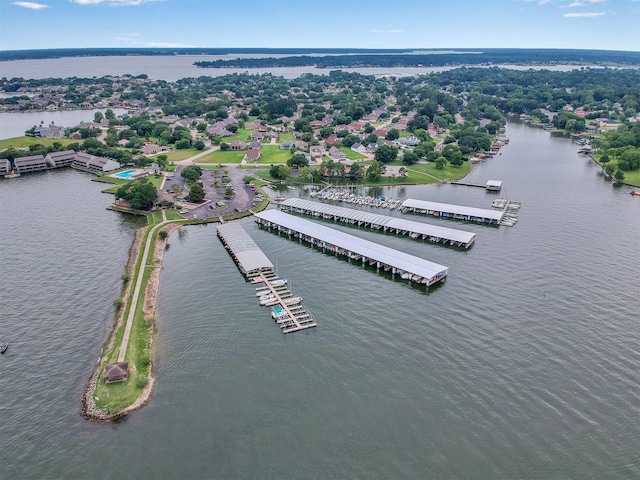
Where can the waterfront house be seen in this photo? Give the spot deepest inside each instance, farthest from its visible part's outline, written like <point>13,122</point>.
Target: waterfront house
<point>32,163</point>
<point>5,166</point>
<point>97,164</point>
<point>60,159</point>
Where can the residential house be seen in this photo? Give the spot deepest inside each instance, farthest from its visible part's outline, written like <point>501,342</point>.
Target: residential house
<point>32,163</point>
<point>252,155</point>
<point>152,149</point>
<point>359,148</point>
<point>92,162</point>
<point>336,154</point>
<point>238,145</point>
<point>317,123</point>
<point>410,141</point>
<point>301,145</point>
<point>286,145</point>
<point>255,145</point>
<point>5,166</point>
<point>316,152</point>
<point>380,132</point>
<point>259,136</point>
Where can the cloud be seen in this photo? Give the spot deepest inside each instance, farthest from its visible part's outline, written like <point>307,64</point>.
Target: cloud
<point>31,5</point>
<point>584,14</point>
<point>394,30</point>
<point>112,3</point>
<point>583,3</point>
<point>544,2</point>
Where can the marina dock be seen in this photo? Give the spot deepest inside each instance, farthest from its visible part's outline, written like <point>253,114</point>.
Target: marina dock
<point>415,269</point>
<point>288,311</point>
<point>457,212</point>
<point>383,223</point>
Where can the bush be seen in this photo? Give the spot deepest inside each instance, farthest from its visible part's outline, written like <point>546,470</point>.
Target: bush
<point>141,383</point>
<point>117,303</point>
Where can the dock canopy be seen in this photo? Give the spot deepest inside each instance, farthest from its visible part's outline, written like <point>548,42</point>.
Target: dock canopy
<point>417,269</point>
<point>250,258</point>
<point>494,185</point>
<point>384,223</point>
<point>457,212</point>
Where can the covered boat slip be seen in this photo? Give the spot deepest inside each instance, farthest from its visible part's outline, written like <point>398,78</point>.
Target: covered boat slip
<point>255,265</point>
<point>407,266</point>
<point>250,259</point>
<point>385,223</point>
<point>457,212</point>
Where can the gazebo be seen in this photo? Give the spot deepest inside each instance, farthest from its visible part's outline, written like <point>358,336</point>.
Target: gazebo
<point>116,372</point>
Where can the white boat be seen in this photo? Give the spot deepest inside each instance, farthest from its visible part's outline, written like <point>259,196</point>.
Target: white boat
<point>268,301</point>
<point>278,282</point>
<point>292,300</point>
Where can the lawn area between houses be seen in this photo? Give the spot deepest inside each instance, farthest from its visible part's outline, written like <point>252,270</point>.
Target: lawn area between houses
<point>218,156</point>
<point>272,154</point>
<point>23,142</point>
<point>351,155</point>
<point>177,155</point>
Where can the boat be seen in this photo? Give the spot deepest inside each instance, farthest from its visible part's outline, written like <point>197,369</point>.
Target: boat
<point>635,193</point>
<point>3,346</point>
<point>499,202</point>
<point>292,300</point>
<point>279,314</point>
<point>278,282</point>
<point>268,301</point>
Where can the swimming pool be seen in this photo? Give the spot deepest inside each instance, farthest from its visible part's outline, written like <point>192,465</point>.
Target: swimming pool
<point>127,174</point>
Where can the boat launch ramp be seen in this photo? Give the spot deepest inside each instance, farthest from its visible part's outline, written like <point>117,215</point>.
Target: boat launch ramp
<point>289,312</point>
<point>384,223</point>
<point>407,266</point>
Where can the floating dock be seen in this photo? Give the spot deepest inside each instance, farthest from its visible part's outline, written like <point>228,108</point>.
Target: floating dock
<point>289,312</point>
<point>407,266</point>
<point>457,212</point>
<point>490,186</point>
<point>384,223</point>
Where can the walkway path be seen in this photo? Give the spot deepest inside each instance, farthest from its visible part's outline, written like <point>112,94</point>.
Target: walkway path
<point>136,292</point>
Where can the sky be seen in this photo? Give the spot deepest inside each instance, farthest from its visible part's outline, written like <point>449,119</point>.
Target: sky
<point>580,24</point>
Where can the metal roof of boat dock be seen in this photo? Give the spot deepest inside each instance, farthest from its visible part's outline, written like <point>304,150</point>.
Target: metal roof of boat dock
<point>386,221</point>
<point>248,255</point>
<point>389,256</point>
<point>454,209</point>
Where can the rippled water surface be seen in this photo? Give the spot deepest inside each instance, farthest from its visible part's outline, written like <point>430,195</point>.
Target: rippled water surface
<point>523,364</point>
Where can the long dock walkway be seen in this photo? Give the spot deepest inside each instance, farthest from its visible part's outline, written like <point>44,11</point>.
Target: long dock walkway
<point>288,311</point>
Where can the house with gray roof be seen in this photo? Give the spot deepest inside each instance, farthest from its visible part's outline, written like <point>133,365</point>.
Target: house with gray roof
<point>63,158</point>
<point>97,164</point>
<point>32,163</point>
<point>5,166</point>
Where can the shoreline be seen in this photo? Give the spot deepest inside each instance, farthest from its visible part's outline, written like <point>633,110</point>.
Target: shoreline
<point>150,300</point>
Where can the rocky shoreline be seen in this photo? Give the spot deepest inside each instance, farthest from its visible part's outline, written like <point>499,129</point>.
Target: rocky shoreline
<point>89,409</point>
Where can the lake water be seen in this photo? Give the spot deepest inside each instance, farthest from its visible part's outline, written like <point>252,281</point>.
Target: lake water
<point>523,364</point>
<point>174,67</point>
<point>16,123</point>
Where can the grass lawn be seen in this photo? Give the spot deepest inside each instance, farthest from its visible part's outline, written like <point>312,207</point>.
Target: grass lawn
<point>271,154</point>
<point>22,142</point>
<point>351,155</point>
<point>177,155</point>
<point>242,134</point>
<point>447,173</point>
<point>156,181</point>
<point>286,136</point>
<point>630,177</point>
<point>230,156</point>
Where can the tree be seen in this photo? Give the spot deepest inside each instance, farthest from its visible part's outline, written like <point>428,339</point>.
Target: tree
<point>109,114</point>
<point>279,171</point>
<point>350,139</point>
<point>198,145</point>
<point>375,171</point>
<point>409,158</point>
<point>139,193</point>
<point>386,154</point>
<point>191,173</point>
<point>224,146</point>
<point>355,172</point>
<point>440,162</point>
<point>97,117</point>
<point>183,144</point>
<point>393,134</point>
<point>298,161</point>
<point>619,175</point>
<point>196,193</point>
<point>403,172</point>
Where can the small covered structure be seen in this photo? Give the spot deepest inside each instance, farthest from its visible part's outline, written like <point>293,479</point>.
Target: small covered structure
<point>493,185</point>
<point>116,372</point>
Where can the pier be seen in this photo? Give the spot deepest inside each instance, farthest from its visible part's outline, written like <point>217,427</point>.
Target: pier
<point>490,186</point>
<point>289,312</point>
<point>383,223</point>
<point>409,267</point>
<point>457,212</point>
